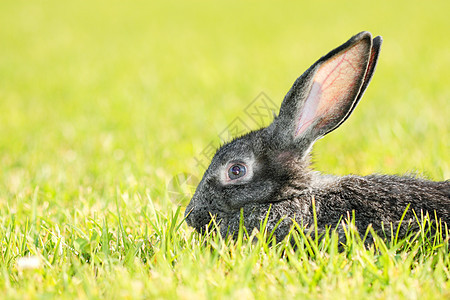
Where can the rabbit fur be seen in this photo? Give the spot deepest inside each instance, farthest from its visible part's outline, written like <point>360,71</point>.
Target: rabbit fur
<point>266,173</point>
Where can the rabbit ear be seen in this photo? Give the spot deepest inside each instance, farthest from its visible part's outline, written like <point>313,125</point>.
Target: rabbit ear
<point>325,95</point>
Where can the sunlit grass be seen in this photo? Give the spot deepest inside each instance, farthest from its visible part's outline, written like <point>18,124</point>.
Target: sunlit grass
<point>151,254</point>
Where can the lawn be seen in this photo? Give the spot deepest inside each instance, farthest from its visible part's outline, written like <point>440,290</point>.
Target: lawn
<point>103,103</point>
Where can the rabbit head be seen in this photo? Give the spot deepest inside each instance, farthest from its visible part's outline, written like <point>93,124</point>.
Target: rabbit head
<point>268,169</point>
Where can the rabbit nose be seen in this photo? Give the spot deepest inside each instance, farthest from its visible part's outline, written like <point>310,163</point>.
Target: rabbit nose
<point>187,214</point>
<point>198,218</point>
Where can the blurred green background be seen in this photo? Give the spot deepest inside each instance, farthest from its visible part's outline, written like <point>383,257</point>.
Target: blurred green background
<point>96,95</point>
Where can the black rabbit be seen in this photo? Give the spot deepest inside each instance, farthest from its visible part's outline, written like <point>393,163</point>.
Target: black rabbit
<point>269,169</point>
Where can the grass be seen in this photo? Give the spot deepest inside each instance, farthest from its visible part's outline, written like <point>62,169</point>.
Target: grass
<point>103,102</point>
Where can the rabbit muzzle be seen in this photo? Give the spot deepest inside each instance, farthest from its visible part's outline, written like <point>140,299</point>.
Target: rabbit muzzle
<point>197,216</point>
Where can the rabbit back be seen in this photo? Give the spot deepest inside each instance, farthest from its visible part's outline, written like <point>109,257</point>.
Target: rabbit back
<point>380,200</point>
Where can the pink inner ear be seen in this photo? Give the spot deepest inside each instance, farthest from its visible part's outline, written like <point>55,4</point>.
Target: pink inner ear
<point>333,87</point>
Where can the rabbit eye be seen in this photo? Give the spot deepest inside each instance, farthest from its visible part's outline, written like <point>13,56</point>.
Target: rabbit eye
<point>236,171</point>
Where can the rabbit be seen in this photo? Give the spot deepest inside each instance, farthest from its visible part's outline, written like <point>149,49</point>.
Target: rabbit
<point>266,173</point>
